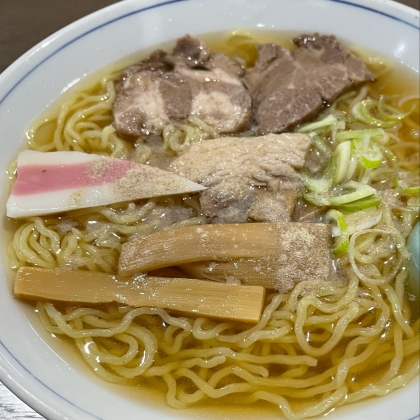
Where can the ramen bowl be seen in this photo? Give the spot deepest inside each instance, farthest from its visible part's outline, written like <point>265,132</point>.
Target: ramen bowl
<point>42,370</point>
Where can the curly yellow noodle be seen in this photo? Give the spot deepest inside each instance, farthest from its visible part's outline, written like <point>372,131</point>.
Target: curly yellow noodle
<point>178,138</point>
<point>341,325</point>
<point>252,375</point>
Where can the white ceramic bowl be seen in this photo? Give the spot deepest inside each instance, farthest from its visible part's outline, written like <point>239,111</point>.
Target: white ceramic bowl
<point>34,365</point>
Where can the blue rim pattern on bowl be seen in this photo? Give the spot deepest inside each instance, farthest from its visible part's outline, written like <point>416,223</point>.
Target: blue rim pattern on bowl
<point>370,9</point>
<point>154,6</point>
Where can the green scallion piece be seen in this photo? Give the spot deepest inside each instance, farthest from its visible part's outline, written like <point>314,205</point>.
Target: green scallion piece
<point>362,204</point>
<point>325,122</point>
<point>342,242</point>
<point>317,199</point>
<point>360,191</point>
<point>388,112</point>
<point>322,184</point>
<point>342,157</point>
<point>317,184</point>
<point>366,110</point>
<point>411,190</point>
<point>405,190</point>
<point>379,135</point>
<point>371,157</point>
<point>321,145</point>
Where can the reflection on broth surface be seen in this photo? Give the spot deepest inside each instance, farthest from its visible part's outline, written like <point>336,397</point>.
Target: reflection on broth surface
<point>318,344</point>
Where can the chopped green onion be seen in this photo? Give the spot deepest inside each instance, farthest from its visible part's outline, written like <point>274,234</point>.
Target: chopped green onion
<point>360,191</point>
<point>371,161</point>
<point>388,112</point>
<point>363,197</point>
<point>411,190</point>
<point>317,184</point>
<point>370,156</point>
<point>342,157</point>
<point>327,121</point>
<point>406,190</point>
<point>362,204</point>
<point>359,150</point>
<point>322,184</point>
<point>352,167</point>
<point>342,243</point>
<point>363,219</point>
<point>377,134</point>
<point>365,110</point>
<point>317,199</point>
<point>320,145</point>
<point>366,176</point>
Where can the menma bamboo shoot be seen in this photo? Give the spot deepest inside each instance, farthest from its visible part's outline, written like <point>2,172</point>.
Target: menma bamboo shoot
<point>188,296</point>
<point>273,255</point>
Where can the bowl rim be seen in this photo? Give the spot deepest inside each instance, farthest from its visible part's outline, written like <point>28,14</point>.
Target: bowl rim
<point>411,13</point>
<point>10,368</point>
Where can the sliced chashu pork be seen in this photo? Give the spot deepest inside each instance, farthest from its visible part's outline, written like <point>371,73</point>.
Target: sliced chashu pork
<point>237,170</point>
<point>166,89</point>
<point>291,87</point>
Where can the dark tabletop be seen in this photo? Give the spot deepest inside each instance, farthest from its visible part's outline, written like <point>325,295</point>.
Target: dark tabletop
<point>24,23</point>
